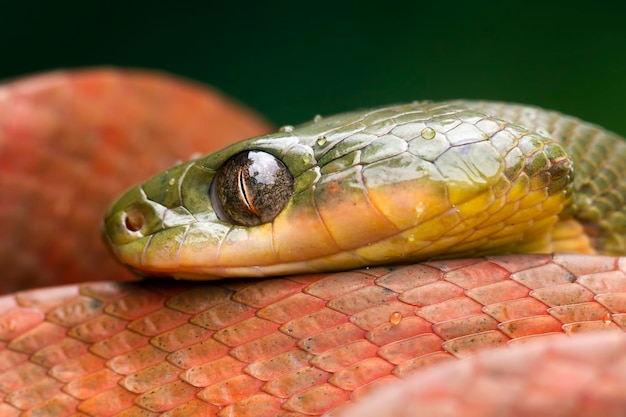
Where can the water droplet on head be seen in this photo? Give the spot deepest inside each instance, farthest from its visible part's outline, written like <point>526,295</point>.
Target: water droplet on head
<point>317,118</point>
<point>608,319</point>
<point>321,141</point>
<point>172,181</point>
<point>419,208</point>
<point>306,158</point>
<point>286,129</point>
<point>428,133</point>
<point>395,318</point>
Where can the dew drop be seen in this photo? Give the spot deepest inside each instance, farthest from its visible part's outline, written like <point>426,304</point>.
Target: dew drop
<point>395,318</point>
<point>419,209</point>
<point>321,141</point>
<point>411,238</point>
<point>428,133</point>
<point>317,118</point>
<point>608,319</point>
<point>286,129</point>
<point>306,158</point>
<point>172,181</point>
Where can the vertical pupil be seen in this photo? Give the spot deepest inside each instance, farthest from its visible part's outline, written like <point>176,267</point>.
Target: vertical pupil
<point>251,188</point>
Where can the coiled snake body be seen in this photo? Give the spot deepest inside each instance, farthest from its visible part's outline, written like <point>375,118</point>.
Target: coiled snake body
<point>423,181</point>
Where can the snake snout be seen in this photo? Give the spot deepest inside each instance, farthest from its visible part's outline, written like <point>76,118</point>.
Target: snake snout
<point>131,218</point>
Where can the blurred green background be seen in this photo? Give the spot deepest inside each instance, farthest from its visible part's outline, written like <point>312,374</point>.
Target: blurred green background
<point>292,60</point>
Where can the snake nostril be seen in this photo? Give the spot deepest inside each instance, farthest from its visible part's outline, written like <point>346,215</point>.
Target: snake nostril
<point>134,220</point>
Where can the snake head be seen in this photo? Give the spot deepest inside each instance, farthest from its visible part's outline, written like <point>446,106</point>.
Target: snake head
<point>389,185</point>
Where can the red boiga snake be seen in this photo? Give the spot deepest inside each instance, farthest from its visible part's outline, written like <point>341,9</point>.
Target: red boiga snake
<point>372,342</point>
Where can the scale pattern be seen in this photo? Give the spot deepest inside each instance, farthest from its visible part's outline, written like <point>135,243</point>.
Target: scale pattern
<point>295,346</point>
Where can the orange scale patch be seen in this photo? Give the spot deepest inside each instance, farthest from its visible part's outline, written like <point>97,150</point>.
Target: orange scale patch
<point>366,390</point>
<point>108,402</point>
<point>245,331</point>
<point>450,309</point>
<point>75,312</point>
<point>294,382</point>
<point>118,344</point>
<point>341,357</point>
<point>361,373</point>
<point>381,315</point>
<point>583,264</point>
<point>256,405</point>
<point>199,299</point>
<point>223,315</point>
<point>362,299</point>
<point>158,321</point>
<point>77,367</point>
<point>150,378</point>
<point>515,263</point>
<point>408,327</point>
<point>281,364</point>
<point>193,407</point>
<point>98,328</point>
<point>264,347</point>
<point>590,326</point>
<point>603,282</point>
<point>579,312</point>
<point>21,377</point>
<point>60,352</point>
<point>180,337</point>
<point>136,360</point>
<point>465,346</point>
<point>167,396</point>
<point>452,329</point>
<point>336,285</point>
<point>296,305</point>
<point>267,292</point>
<point>414,347</point>
<point>136,304</point>
<point>61,405</point>
<point>45,334</point>
<point>10,359</point>
<point>92,384</point>
<point>432,293</point>
<point>133,412</point>
<point>212,372</point>
<point>515,309</point>
<point>530,325</point>
<point>543,276</point>
<point>413,365</point>
<point>317,400</point>
<point>35,394</point>
<point>17,320</point>
<point>199,353</point>
<point>313,323</point>
<point>476,275</point>
<point>498,292</point>
<point>331,338</point>
<point>616,303</point>
<point>409,277</point>
<point>230,390</point>
<point>452,264</point>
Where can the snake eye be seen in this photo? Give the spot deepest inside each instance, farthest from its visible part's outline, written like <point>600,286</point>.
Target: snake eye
<point>251,188</point>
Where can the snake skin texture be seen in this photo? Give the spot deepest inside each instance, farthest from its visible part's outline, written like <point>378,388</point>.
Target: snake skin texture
<point>295,346</point>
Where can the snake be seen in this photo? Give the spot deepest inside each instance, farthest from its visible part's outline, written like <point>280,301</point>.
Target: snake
<point>336,262</point>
